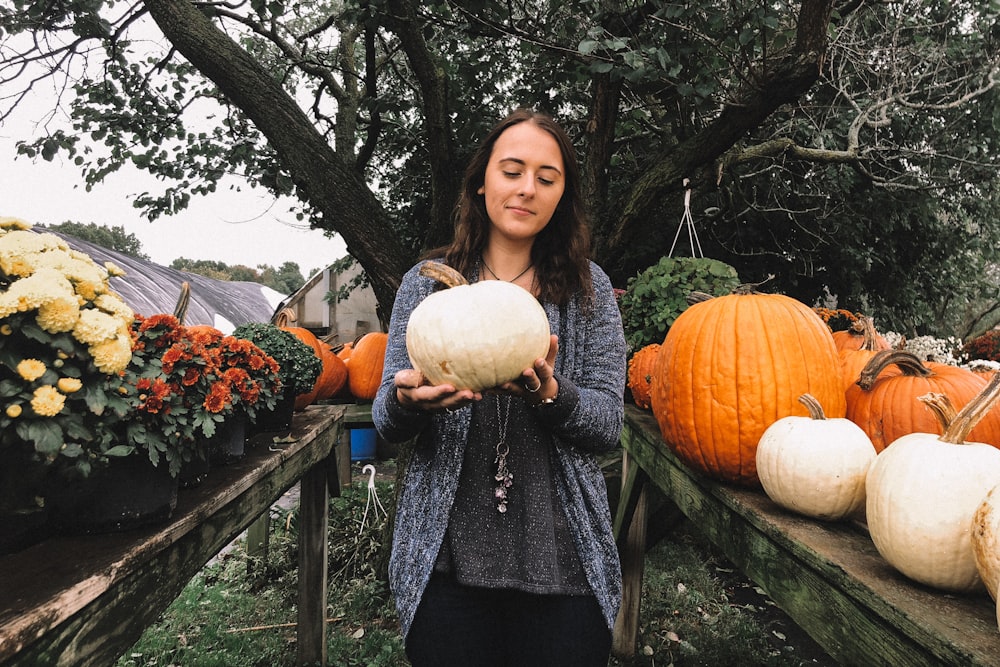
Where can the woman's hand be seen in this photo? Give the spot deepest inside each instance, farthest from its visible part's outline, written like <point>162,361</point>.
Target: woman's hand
<point>414,392</point>
<point>537,384</point>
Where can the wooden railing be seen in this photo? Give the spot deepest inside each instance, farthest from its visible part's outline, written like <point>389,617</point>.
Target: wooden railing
<point>828,577</point>
<point>85,600</point>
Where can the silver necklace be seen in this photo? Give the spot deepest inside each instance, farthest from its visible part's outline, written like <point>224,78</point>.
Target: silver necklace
<point>504,477</point>
<point>496,277</point>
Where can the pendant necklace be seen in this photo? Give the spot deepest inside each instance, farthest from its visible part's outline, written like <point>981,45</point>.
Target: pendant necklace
<point>496,277</point>
<point>504,477</point>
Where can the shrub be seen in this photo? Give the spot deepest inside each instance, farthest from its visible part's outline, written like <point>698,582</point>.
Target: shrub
<point>655,297</point>
<point>985,346</point>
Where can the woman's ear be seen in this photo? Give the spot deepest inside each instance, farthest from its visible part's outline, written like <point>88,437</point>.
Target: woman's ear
<point>481,190</point>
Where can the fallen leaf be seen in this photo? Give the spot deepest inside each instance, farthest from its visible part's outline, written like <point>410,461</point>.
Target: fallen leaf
<point>358,634</point>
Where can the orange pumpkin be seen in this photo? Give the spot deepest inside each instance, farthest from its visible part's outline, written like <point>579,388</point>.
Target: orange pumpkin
<point>853,359</point>
<point>640,373</point>
<point>364,372</point>
<point>334,375</point>
<point>730,367</point>
<point>856,337</point>
<point>887,408</point>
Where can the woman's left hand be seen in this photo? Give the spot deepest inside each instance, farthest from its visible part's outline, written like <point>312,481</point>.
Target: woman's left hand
<point>537,383</point>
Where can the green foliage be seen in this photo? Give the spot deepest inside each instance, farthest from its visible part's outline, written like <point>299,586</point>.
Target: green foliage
<point>113,238</point>
<point>286,279</point>
<point>984,346</point>
<point>300,367</point>
<point>655,297</point>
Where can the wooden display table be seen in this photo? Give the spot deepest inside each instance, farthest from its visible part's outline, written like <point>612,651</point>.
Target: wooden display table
<point>85,600</point>
<point>828,577</point>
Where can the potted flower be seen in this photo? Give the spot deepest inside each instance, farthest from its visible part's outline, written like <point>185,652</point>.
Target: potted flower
<point>64,337</point>
<point>299,368</point>
<point>185,383</point>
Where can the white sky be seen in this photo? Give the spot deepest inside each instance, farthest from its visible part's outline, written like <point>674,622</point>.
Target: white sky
<point>245,227</point>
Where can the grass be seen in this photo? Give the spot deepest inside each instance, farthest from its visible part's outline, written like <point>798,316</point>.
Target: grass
<point>240,612</point>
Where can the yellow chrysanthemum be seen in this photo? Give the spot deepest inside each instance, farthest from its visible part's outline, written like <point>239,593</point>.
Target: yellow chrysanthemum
<point>113,355</point>
<point>114,270</point>
<point>113,304</point>
<point>95,327</point>
<point>47,401</point>
<point>26,294</point>
<point>69,385</point>
<point>31,369</point>
<point>59,315</point>
<point>8,223</point>
<point>14,411</point>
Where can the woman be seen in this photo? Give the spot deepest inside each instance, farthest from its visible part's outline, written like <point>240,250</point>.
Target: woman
<point>532,577</point>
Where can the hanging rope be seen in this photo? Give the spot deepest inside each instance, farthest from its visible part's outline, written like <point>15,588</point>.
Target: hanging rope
<point>687,222</point>
<point>372,495</point>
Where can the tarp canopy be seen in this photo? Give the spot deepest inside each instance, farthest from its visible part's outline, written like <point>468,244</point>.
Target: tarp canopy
<point>150,289</point>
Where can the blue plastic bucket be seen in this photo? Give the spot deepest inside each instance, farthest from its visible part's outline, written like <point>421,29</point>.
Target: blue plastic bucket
<point>362,444</point>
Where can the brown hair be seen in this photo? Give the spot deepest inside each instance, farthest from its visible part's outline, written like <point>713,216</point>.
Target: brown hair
<point>561,252</point>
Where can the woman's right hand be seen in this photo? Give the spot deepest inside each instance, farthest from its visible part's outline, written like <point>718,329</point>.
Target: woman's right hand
<point>414,392</point>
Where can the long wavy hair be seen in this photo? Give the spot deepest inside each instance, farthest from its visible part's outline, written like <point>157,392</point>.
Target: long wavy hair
<point>561,252</point>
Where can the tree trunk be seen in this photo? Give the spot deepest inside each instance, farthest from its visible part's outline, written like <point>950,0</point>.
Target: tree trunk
<point>325,180</point>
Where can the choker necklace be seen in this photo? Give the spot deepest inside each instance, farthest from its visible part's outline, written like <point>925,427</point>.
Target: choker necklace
<point>496,277</point>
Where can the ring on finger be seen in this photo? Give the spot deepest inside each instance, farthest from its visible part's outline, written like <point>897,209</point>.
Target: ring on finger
<point>537,387</point>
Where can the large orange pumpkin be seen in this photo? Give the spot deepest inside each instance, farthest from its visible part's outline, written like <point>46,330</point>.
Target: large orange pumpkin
<point>732,366</point>
<point>364,372</point>
<point>640,373</point>
<point>887,407</point>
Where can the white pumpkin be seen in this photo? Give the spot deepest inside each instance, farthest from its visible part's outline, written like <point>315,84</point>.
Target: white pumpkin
<point>923,491</point>
<point>986,540</point>
<point>813,465</point>
<point>475,336</point>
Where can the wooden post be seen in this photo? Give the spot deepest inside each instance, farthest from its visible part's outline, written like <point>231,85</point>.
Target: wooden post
<point>632,550</point>
<point>258,537</point>
<point>314,511</point>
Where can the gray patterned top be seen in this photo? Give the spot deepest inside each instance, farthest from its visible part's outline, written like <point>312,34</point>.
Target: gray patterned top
<point>585,420</point>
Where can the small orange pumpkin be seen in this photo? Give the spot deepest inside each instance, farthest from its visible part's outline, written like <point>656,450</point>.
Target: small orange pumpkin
<point>853,359</point>
<point>858,336</point>
<point>364,372</point>
<point>887,407</point>
<point>640,373</point>
<point>333,376</point>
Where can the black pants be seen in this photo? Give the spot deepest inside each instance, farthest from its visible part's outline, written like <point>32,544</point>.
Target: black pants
<point>462,626</point>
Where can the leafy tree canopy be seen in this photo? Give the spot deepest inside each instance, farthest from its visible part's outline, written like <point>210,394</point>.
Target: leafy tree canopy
<point>846,148</point>
<point>285,279</point>
<point>113,238</point>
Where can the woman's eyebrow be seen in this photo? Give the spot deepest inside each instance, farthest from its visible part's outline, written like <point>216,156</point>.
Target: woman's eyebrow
<point>522,163</point>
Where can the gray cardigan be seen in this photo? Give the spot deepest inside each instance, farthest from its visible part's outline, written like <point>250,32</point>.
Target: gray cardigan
<point>585,420</point>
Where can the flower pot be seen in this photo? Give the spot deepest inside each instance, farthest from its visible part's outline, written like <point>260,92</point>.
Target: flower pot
<point>195,470</point>
<point>278,419</point>
<point>228,445</point>
<point>24,520</point>
<point>128,493</point>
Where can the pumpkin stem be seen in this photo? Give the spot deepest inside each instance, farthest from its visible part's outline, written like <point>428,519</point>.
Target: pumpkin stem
<point>443,273</point>
<point>813,406</point>
<point>183,300</point>
<point>957,431</point>
<point>907,362</point>
<point>866,325</point>
<point>285,317</point>
<point>941,406</point>
<point>697,297</point>
<point>751,288</point>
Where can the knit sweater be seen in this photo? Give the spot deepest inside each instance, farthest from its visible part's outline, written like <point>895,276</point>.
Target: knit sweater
<point>585,420</point>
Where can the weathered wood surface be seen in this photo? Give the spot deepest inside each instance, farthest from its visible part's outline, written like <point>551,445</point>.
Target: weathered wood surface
<point>827,576</point>
<point>84,600</point>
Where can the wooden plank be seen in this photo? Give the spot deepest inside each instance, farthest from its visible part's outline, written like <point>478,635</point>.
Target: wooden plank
<point>314,508</point>
<point>633,555</point>
<point>83,600</point>
<point>827,576</point>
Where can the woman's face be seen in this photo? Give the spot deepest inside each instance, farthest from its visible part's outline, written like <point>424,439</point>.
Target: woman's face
<point>525,180</point>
